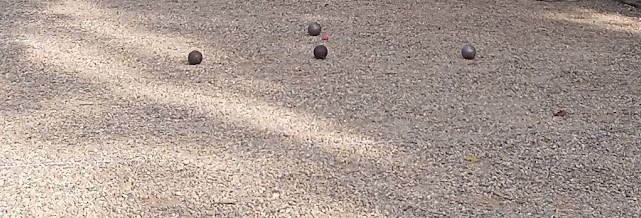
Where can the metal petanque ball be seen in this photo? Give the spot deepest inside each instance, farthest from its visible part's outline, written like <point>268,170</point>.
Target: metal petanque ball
<point>314,29</point>
<point>320,52</point>
<point>194,57</point>
<point>468,52</point>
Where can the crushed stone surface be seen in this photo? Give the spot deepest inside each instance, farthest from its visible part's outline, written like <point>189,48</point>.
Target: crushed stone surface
<point>100,115</point>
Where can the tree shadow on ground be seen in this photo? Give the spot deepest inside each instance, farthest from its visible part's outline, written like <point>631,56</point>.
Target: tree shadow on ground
<point>61,109</point>
<point>629,8</point>
<point>433,106</point>
<point>389,80</point>
<point>395,84</point>
<point>414,86</point>
<point>15,72</point>
<point>128,126</point>
<point>247,166</point>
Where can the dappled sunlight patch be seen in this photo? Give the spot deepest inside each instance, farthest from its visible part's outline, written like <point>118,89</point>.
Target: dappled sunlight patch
<point>89,61</point>
<point>151,44</point>
<point>130,83</point>
<point>119,33</point>
<point>613,22</point>
<point>98,62</point>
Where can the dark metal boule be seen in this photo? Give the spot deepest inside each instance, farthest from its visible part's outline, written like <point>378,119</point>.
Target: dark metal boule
<point>194,57</point>
<point>468,52</point>
<point>314,29</point>
<point>320,52</point>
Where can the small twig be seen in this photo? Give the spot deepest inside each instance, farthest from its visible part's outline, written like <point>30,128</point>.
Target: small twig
<point>229,202</point>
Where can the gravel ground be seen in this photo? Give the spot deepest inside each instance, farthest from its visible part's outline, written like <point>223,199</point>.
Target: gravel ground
<point>101,116</point>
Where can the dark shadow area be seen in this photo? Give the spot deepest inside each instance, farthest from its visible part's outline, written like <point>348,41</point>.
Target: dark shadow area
<point>629,8</point>
<point>17,76</point>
